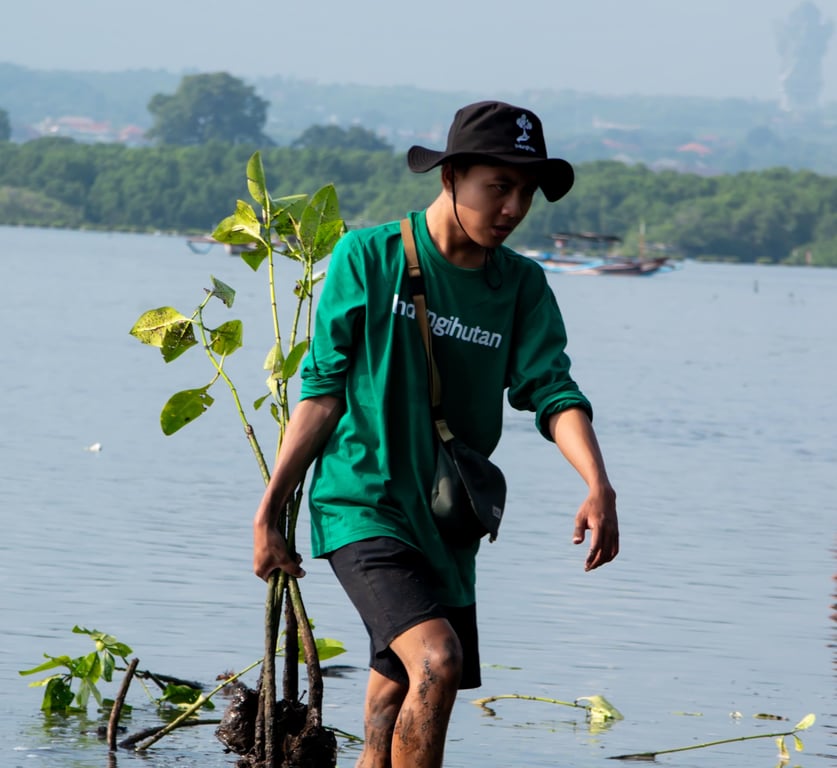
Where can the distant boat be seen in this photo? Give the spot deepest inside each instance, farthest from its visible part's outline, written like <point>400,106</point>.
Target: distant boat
<point>204,243</point>
<point>586,253</point>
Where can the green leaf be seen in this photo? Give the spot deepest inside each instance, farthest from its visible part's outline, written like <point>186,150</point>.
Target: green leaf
<point>108,665</point>
<point>89,667</point>
<point>96,694</point>
<point>327,236</point>
<point>601,709</point>
<point>46,680</point>
<point>103,640</point>
<point>256,180</point>
<point>83,695</point>
<point>183,408</point>
<point>57,697</point>
<point>119,649</point>
<point>327,648</point>
<point>286,213</point>
<point>797,743</point>
<point>183,696</point>
<point>259,401</point>
<point>294,358</point>
<point>274,359</point>
<point>177,341</point>
<point>272,383</point>
<point>86,688</point>
<point>222,291</point>
<point>241,228</point>
<point>54,661</point>
<point>167,329</point>
<point>318,222</point>
<point>227,338</point>
<point>806,722</point>
<point>253,257</point>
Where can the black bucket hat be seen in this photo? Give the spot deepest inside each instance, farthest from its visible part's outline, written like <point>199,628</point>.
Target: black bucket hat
<point>503,133</point>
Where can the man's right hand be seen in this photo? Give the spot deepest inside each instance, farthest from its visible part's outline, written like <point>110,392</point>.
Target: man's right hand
<point>311,424</point>
<point>270,552</point>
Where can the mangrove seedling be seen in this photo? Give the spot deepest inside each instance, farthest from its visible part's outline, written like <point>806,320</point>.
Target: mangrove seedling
<point>97,666</point>
<point>87,670</point>
<point>305,231</point>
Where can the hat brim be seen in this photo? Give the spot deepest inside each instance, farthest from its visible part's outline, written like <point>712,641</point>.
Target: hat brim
<point>555,176</point>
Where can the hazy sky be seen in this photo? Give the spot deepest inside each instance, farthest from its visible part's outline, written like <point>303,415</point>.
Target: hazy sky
<point>723,48</point>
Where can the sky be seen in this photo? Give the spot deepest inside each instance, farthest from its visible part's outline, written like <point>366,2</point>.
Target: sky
<point>709,48</point>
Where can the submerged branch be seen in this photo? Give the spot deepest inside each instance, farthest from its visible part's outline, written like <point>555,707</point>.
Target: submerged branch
<point>179,721</point>
<point>118,703</point>
<point>163,681</point>
<point>148,732</point>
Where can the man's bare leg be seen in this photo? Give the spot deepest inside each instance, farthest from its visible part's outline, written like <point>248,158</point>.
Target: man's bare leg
<point>383,703</point>
<point>432,655</point>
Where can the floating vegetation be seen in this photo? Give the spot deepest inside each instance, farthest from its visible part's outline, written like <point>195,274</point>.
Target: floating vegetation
<point>780,738</point>
<point>597,708</point>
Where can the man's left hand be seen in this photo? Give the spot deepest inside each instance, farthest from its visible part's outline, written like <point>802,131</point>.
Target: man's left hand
<point>598,515</point>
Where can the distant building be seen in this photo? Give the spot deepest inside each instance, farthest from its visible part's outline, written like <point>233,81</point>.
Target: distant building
<point>76,127</point>
<point>696,148</point>
<point>86,130</point>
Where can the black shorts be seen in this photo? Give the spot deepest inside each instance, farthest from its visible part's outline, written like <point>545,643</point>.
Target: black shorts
<point>391,586</point>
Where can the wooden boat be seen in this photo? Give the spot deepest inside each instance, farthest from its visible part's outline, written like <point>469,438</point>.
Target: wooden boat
<point>590,253</point>
<point>626,267</point>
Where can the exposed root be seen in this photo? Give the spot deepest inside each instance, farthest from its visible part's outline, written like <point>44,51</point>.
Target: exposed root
<point>298,743</point>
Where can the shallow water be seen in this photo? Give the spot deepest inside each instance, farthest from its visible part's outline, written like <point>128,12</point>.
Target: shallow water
<point>714,395</point>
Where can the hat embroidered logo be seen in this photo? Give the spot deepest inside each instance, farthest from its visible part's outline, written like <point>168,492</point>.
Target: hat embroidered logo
<point>525,125</point>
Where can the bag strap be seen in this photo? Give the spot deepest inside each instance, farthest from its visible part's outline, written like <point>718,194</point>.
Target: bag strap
<point>416,280</point>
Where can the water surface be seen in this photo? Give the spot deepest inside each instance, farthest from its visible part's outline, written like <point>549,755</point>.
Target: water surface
<point>715,405</point>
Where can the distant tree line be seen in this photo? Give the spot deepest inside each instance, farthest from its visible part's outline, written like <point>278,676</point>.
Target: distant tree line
<point>705,135</point>
<point>774,216</point>
<point>5,126</point>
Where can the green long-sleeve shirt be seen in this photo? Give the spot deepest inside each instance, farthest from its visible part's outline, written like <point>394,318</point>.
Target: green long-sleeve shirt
<point>374,475</point>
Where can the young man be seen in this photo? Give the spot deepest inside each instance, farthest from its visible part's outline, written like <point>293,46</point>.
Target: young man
<point>364,414</point>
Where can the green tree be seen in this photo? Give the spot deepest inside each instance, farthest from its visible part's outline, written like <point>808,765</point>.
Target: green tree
<point>209,107</point>
<point>5,126</point>
<point>335,137</point>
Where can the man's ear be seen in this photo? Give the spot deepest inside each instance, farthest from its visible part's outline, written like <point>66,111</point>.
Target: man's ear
<point>447,175</point>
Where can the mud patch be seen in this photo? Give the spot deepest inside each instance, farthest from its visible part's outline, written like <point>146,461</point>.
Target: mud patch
<point>297,744</point>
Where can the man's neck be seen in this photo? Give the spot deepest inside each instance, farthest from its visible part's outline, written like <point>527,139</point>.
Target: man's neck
<point>449,238</point>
